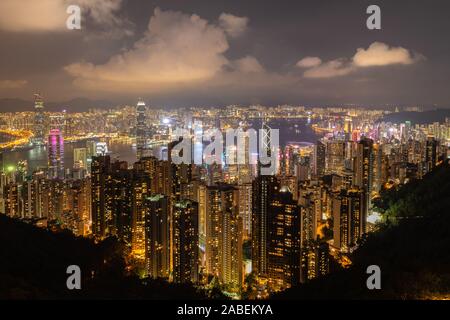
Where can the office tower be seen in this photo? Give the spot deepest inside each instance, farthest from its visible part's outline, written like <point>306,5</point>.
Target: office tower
<point>264,188</point>
<point>185,242</point>
<point>80,158</point>
<point>430,153</point>
<point>141,190</point>
<point>349,218</point>
<point>39,125</point>
<point>55,154</point>
<point>141,130</point>
<point>223,251</point>
<point>335,154</point>
<point>363,169</point>
<point>157,236</point>
<point>319,159</point>
<point>283,269</point>
<point>245,209</point>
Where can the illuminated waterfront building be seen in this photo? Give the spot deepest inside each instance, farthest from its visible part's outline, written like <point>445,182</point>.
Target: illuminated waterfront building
<point>55,154</point>
<point>39,121</point>
<point>80,156</point>
<point>141,130</point>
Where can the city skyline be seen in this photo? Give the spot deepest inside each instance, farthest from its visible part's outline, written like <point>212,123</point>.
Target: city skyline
<point>224,150</point>
<point>207,54</point>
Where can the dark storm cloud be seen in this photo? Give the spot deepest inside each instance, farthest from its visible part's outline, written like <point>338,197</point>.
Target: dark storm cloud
<point>235,52</point>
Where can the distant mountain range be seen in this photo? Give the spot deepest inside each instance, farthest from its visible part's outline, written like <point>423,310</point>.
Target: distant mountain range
<point>73,105</point>
<point>424,117</point>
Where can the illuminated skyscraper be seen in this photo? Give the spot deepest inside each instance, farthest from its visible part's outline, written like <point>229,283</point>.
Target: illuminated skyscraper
<point>245,209</point>
<point>319,159</point>
<point>223,235</point>
<point>141,130</point>
<point>185,242</point>
<point>39,125</point>
<point>363,168</point>
<point>264,188</point>
<point>349,218</point>
<point>430,154</point>
<point>55,154</point>
<point>100,194</point>
<point>157,236</point>
<point>80,158</point>
<point>283,267</point>
<point>141,190</point>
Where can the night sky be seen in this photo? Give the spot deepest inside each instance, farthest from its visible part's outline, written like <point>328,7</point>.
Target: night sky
<point>205,53</point>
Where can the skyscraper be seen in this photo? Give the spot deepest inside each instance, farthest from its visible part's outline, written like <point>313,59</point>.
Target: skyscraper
<point>141,130</point>
<point>100,195</point>
<point>430,153</point>
<point>39,125</point>
<point>80,158</point>
<point>55,154</point>
<point>223,247</point>
<point>264,188</point>
<point>185,242</point>
<point>349,218</point>
<point>157,236</point>
<point>363,168</point>
<point>319,159</point>
<point>283,267</point>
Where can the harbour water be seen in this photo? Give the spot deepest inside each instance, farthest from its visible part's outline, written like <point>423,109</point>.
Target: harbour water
<point>291,131</point>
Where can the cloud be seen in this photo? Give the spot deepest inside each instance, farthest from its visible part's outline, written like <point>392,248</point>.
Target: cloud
<point>329,69</point>
<point>309,62</point>
<point>380,54</point>
<point>12,84</point>
<point>51,15</point>
<point>177,51</point>
<point>233,25</point>
<point>248,64</point>
<point>177,48</point>
<point>377,55</point>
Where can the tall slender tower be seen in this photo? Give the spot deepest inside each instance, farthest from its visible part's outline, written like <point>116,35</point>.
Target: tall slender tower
<point>39,127</point>
<point>141,130</point>
<point>56,154</point>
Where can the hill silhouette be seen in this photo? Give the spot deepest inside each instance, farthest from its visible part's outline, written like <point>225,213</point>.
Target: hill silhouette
<point>34,262</point>
<point>411,248</point>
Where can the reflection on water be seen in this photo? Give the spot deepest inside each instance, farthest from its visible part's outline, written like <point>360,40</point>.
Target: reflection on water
<point>37,157</point>
<point>291,130</point>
